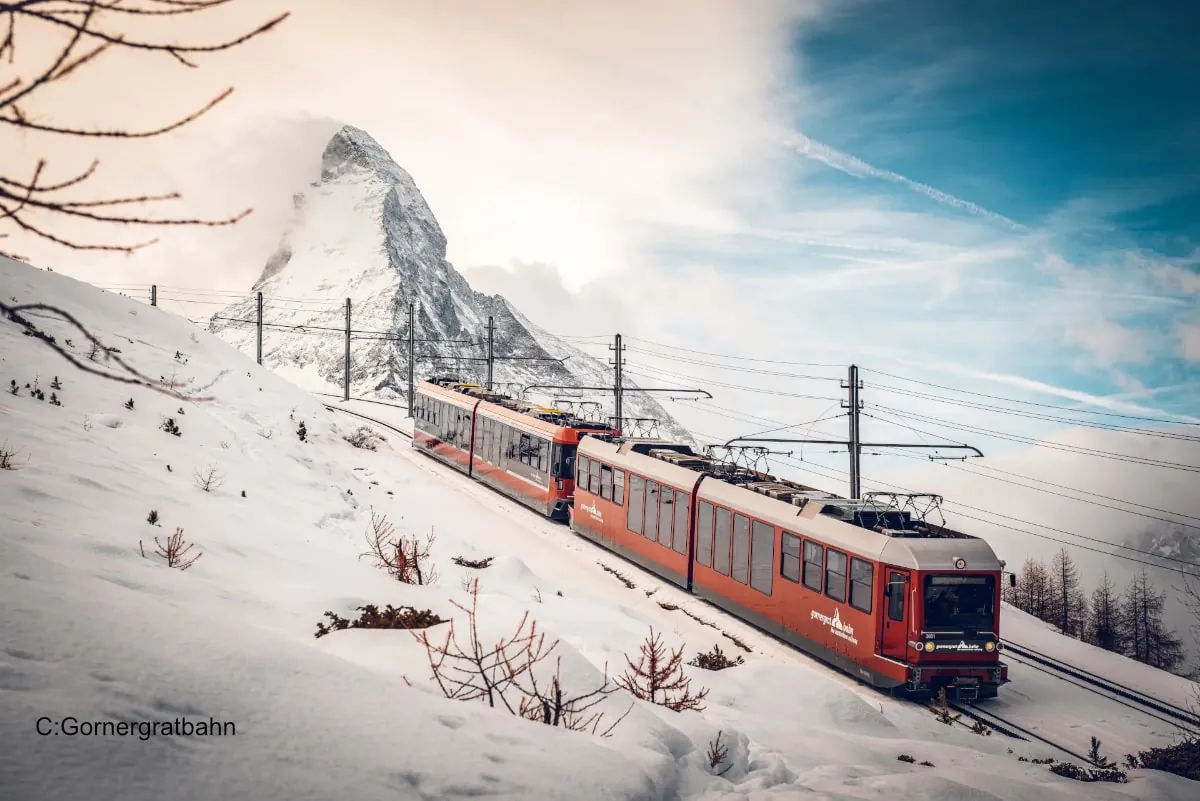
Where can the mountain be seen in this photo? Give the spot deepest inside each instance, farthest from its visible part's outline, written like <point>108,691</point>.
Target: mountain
<point>363,231</point>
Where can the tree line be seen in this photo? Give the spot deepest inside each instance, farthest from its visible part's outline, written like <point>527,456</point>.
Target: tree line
<point>1128,622</point>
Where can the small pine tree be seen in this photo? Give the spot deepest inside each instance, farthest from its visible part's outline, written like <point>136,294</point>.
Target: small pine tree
<point>1104,630</point>
<point>129,404</point>
<point>1067,607</point>
<point>302,432</point>
<point>1144,636</point>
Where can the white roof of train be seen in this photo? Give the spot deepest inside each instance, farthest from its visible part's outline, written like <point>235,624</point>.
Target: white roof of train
<point>937,551</point>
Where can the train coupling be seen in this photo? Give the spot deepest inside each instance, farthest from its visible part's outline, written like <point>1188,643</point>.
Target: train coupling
<point>965,689</point>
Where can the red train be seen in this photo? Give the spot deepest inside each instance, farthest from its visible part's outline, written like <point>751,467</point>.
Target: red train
<point>904,604</point>
<point>523,450</point>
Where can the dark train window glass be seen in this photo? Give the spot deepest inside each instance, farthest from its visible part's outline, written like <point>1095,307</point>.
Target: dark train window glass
<point>594,477</point>
<point>495,446</point>
<point>721,541</point>
<point>581,463</point>
<point>606,482</point>
<point>762,557</point>
<point>619,487</point>
<point>862,581</point>
<point>704,533</point>
<point>812,565</point>
<point>741,548</point>
<point>682,500</point>
<point>633,515</point>
<point>895,594</point>
<point>789,562</point>
<point>566,462</point>
<point>666,511</point>
<point>650,532</point>
<point>835,575</point>
<point>958,603</point>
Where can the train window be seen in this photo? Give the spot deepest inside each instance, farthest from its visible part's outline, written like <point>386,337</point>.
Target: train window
<point>650,532</point>
<point>682,501</point>
<point>762,557</point>
<point>895,596</point>
<point>619,487</point>
<point>813,562</point>
<point>862,579</point>
<point>721,542</point>
<point>581,463</point>
<point>523,449</point>
<point>835,575</point>
<point>594,477</point>
<point>704,533</point>
<point>789,562</point>
<point>606,482</point>
<point>666,511</point>
<point>633,515</point>
<point>741,548</point>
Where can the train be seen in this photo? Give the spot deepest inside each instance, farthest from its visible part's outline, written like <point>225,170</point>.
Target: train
<point>865,585</point>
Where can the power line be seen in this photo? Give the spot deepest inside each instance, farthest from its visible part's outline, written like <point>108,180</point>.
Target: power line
<point>739,368</point>
<point>727,386</point>
<point>737,358</point>
<point>1039,416</point>
<point>1077,449</point>
<point>1025,402</point>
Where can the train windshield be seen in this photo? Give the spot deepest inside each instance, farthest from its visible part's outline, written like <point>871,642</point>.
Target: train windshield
<point>959,603</point>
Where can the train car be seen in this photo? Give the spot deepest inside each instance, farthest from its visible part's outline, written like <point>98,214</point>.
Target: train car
<point>521,449</point>
<point>905,605</point>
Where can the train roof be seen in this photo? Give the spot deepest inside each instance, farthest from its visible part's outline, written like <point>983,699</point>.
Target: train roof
<point>545,414</point>
<point>887,527</point>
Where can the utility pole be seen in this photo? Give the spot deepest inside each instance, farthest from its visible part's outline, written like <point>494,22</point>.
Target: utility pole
<point>411,363</point>
<point>617,362</point>
<point>855,441</point>
<point>154,294</point>
<point>260,328</point>
<point>491,357</point>
<point>346,395</point>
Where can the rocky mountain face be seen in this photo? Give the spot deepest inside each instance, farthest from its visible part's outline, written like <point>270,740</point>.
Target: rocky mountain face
<point>363,231</point>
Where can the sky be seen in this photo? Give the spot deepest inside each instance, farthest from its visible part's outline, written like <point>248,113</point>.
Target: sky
<point>997,198</point>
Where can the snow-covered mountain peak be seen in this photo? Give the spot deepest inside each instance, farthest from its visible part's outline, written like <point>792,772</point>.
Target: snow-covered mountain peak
<point>364,231</point>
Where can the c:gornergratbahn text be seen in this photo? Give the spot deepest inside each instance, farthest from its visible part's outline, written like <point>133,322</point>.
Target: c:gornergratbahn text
<point>142,729</point>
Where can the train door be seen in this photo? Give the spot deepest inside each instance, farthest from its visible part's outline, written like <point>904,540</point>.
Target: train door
<point>896,613</point>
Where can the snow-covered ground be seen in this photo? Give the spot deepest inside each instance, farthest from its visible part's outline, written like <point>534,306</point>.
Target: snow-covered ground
<point>93,631</point>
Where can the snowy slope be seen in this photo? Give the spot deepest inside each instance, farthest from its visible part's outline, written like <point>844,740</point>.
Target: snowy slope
<point>363,231</point>
<point>92,630</point>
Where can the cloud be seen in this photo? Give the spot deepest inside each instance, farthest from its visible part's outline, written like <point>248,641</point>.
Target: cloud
<point>850,165</point>
<point>1189,342</point>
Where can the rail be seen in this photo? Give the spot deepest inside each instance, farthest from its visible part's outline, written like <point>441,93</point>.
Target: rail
<point>1106,688</point>
<point>369,419</point>
<point>1010,729</point>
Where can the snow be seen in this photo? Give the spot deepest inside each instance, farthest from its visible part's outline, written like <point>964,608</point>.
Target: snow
<point>92,630</point>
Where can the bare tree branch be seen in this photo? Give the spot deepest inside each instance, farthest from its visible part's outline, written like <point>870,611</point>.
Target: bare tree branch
<point>92,29</point>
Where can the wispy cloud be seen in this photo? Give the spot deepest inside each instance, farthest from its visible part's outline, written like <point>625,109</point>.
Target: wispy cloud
<point>812,149</point>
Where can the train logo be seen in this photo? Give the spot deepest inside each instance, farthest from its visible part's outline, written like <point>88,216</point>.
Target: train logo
<point>591,510</point>
<point>839,629</point>
<point>962,645</point>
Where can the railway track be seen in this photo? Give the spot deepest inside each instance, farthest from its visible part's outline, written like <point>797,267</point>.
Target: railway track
<point>1118,693</point>
<point>1010,729</point>
<point>388,426</point>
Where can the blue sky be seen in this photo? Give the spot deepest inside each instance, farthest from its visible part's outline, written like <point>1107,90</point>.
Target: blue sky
<point>1016,184</point>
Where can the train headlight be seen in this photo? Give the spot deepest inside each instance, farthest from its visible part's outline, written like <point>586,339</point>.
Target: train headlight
<point>989,646</point>
<point>929,646</point>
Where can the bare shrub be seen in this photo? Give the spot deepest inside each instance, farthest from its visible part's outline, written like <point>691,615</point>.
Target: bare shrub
<point>658,677</point>
<point>129,404</point>
<point>503,675</point>
<point>8,457</point>
<point>715,660</point>
<point>405,617</point>
<point>266,433</point>
<point>621,578</point>
<point>474,564</point>
<point>1070,771</point>
<point>152,518</point>
<point>941,709</point>
<point>717,754</point>
<point>406,559</point>
<point>209,479</point>
<point>170,426</point>
<point>302,432</point>
<point>175,551</point>
<point>363,437</point>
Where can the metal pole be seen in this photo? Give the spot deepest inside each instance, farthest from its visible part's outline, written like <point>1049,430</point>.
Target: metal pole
<point>491,358</point>
<point>618,363</point>
<point>855,438</point>
<point>154,294</point>
<point>346,394</point>
<point>411,365</point>
<point>260,328</point>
